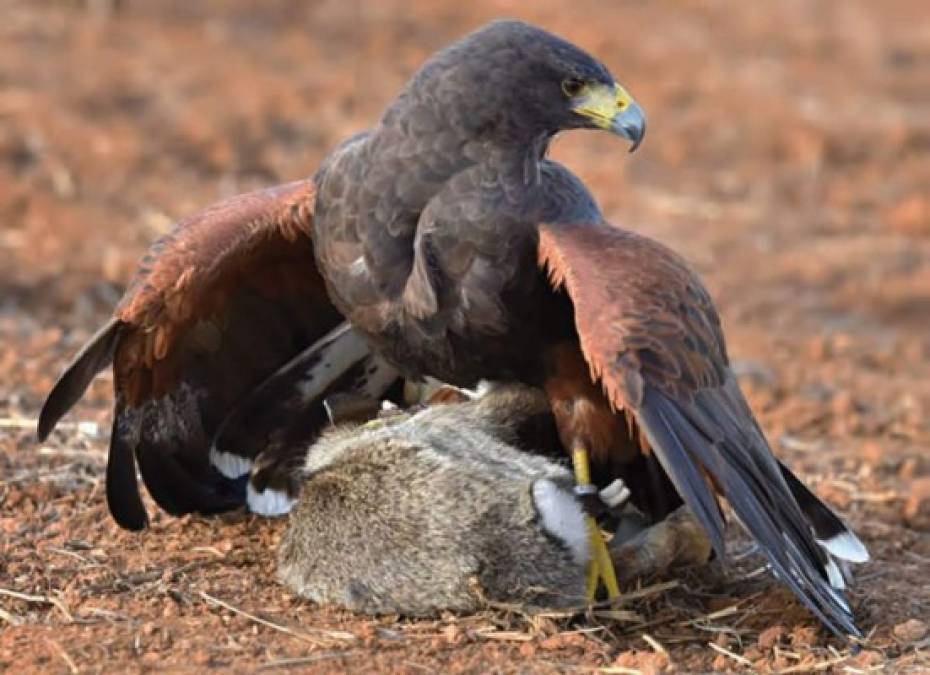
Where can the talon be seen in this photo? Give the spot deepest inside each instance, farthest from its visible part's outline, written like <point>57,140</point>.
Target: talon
<point>616,494</point>
<point>601,567</point>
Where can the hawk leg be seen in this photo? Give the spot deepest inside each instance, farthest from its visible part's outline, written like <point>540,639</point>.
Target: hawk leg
<point>600,567</point>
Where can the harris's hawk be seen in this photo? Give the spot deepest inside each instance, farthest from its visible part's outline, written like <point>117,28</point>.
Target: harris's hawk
<point>451,242</point>
<point>448,237</point>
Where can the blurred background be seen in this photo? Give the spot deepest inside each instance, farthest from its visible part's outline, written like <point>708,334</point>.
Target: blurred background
<point>788,158</point>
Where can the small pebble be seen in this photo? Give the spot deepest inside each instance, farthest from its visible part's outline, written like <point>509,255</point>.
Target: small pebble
<point>770,637</point>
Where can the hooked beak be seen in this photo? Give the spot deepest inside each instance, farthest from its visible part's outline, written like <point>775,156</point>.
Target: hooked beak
<point>613,109</point>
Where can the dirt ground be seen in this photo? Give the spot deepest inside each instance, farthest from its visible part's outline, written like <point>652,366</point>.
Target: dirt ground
<point>788,158</point>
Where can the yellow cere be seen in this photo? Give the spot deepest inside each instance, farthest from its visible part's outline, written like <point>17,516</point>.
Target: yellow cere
<point>602,103</point>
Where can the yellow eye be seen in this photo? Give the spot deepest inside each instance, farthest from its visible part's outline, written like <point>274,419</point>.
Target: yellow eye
<point>572,87</point>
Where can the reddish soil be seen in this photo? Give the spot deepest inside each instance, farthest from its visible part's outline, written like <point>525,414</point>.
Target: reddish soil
<point>787,158</point>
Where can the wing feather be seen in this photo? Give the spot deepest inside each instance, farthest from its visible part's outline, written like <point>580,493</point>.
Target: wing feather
<point>651,336</point>
<point>94,356</point>
<point>278,420</point>
<point>216,307</point>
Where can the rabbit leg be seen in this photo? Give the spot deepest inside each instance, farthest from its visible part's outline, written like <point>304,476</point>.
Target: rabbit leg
<point>676,541</point>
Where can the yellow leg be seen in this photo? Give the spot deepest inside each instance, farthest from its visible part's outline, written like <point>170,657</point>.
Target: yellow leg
<point>601,567</point>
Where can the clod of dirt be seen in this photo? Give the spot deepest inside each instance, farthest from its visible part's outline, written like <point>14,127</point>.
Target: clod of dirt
<point>912,630</point>
<point>771,637</point>
<point>909,469</point>
<point>910,216</point>
<point>643,662</point>
<point>803,637</point>
<point>917,506</point>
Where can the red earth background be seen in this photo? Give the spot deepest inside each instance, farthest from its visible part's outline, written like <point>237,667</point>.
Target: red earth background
<point>788,159</point>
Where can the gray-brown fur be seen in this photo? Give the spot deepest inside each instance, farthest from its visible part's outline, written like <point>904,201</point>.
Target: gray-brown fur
<point>677,541</point>
<point>437,510</point>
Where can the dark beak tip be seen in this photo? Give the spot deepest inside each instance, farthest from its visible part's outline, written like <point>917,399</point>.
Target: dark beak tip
<point>638,135</point>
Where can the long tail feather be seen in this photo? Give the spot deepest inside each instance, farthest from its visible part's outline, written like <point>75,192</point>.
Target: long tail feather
<point>96,355</point>
<point>122,483</point>
<point>834,536</point>
<point>705,434</point>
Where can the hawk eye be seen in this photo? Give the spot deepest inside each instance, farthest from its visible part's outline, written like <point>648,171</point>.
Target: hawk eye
<point>572,87</point>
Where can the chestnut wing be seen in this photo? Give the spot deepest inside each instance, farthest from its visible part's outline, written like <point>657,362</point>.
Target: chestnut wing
<point>652,338</point>
<point>217,306</point>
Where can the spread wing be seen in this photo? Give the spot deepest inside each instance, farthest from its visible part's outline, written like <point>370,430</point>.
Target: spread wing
<point>218,307</point>
<point>652,338</point>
